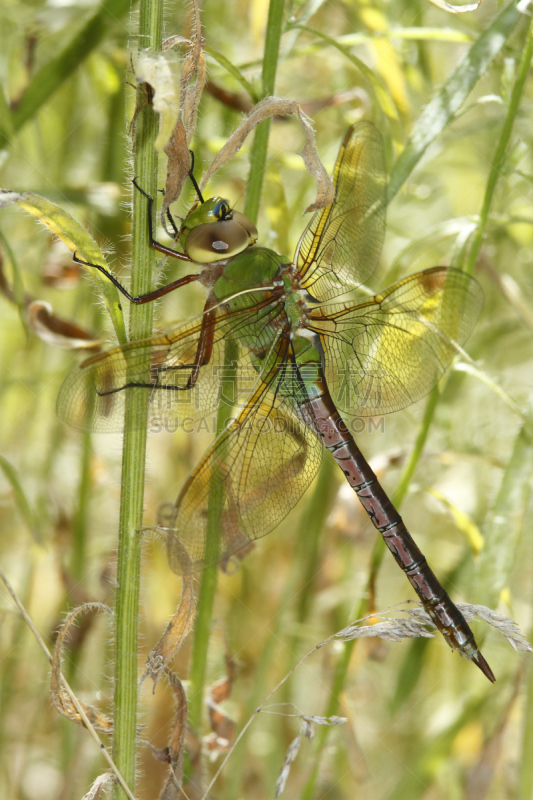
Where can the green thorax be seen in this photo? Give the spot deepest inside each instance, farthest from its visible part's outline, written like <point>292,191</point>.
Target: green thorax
<point>240,286</point>
<point>251,269</point>
<point>254,269</point>
<point>292,302</point>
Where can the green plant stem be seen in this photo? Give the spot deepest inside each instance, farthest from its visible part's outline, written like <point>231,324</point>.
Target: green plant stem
<point>310,529</point>
<point>206,596</point>
<point>18,283</point>
<point>208,586</point>
<point>258,153</point>
<point>505,523</point>
<point>499,155</point>
<point>135,430</point>
<point>19,495</point>
<point>420,442</point>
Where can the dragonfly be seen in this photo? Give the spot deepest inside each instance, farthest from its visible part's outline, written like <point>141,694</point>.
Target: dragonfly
<point>285,343</point>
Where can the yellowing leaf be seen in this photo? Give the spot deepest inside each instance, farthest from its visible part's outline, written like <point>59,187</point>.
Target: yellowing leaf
<point>463,522</point>
<point>76,238</point>
<point>393,75</point>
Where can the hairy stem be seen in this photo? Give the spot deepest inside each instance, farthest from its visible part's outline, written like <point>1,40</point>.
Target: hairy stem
<point>134,448</point>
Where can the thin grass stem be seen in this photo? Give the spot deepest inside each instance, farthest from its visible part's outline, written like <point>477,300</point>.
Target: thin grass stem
<point>258,153</point>
<point>207,591</point>
<point>208,586</point>
<point>501,150</point>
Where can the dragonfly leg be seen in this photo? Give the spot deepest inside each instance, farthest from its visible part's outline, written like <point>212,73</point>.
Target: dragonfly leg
<point>204,348</point>
<point>175,229</point>
<point>436,601</point>
<point>169,251</point>
<point>141,298</point>
<point>167,212</point>
<point>204,351</point>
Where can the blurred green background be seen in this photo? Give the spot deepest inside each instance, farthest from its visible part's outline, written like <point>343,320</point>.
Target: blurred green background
<point>422,723</point>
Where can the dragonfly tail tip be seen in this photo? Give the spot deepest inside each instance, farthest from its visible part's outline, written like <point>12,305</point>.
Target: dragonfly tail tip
<point>483,665</point>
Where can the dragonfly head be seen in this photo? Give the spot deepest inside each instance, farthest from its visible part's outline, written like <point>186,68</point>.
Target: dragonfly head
<point>214,232</point>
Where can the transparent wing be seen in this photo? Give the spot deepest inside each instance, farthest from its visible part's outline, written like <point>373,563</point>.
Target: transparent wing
<point>93,395</point>
<point>391,350</point>
<point>340,247</point>
<point>250,478</point>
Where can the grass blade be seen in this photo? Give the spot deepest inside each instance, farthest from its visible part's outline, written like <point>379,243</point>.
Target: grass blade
<point>442,109</point>
<point>50,77</point>
<point>76,238</point>
<point>21,501</point>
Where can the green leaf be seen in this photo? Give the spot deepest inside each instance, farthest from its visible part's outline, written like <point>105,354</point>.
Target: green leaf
<point>76,238</point>
<point>18,283</point>
<point>233,71</point>
<point>445,105</point>
<point>50,77</point>
<point>481,375</point>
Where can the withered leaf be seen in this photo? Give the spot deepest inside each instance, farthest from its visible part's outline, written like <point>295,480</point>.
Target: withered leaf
<point>192,82</point>
<point>176,747</point>
<point>60,698</point>
<point>101,783</point>
<point>179,164</point>
<point>276,106</point>
<point>177,630</point>
<point>59,332</point>
<point>222,726</point>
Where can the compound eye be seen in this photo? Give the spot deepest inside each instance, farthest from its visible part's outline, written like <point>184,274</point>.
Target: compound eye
<point>248,226</point>
<point>216,241</point>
